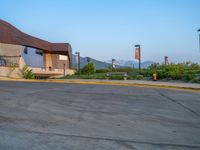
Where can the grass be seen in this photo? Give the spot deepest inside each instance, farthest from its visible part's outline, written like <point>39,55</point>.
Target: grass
<point>85,76</point>
<point>102,76</point>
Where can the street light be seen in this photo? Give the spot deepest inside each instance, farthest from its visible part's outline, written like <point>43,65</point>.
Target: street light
<point>113,64</point>
<point>138,56</point>
<point>199,38</point>
<point>79,62</point>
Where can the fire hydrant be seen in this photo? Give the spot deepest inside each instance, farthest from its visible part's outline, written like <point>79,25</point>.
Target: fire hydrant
<point>154,77</point>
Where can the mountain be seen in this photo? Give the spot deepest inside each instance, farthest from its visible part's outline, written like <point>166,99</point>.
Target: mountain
<point>83,61</point>
<point>100,64</point>
<point>131,63</point>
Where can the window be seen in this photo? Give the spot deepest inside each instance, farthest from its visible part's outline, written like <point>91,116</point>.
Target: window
<point>39,52</point>
<point>33,57</point>
<point>25,50</point>
<point>2,62</point>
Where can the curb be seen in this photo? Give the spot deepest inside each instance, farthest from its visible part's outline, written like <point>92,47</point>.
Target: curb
<point>181,88</point>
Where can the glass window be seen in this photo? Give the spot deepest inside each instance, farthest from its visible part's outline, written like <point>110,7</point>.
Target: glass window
<point>2,62</point>
<point>33,57</point>
<point>25,50</point>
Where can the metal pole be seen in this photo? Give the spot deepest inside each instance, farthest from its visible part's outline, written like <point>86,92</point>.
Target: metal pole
<point>139,53</point>
<point>64,69</point>
<point>199,41</point>
<point>113,64</point>
<point>199,38</point>
<point>79,62</point>
<point>139,60</point>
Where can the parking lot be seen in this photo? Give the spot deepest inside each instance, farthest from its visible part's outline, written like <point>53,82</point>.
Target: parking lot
<point>58,116</point>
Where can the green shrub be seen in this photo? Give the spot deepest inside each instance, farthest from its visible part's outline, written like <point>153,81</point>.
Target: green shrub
<point>139,77</point>
<point>126,69</point>
<point>13,67</point>
<point>102,70</point>
<point>116,77</point>
<point>196,78</point>
<point>189,75</point>
<point>27,73</point>
<point>88,69</point>
<point>182,71</point>
<point>85,76</point>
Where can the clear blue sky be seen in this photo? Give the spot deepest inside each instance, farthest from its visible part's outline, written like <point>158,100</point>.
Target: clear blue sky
<point>105,29</point>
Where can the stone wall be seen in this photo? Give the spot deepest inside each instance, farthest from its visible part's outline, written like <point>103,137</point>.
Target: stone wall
<point>10,72</point>
<point>11,50</point>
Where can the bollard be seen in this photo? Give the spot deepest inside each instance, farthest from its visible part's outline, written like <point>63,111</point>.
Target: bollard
<point>107,76</point>
<point>154,77</point>
<point>125,76</point>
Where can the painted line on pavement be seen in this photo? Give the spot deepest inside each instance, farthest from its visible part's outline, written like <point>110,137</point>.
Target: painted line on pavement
<point>190,89</point>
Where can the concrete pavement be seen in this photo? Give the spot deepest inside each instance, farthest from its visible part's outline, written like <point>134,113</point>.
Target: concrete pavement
<point>97,117</point>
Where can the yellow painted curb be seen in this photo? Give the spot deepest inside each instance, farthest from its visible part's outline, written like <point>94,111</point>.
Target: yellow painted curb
<point>107,83</point>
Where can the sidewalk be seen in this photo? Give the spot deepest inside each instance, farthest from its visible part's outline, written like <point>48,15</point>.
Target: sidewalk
<point>142,83</point>
<point>183,85</point>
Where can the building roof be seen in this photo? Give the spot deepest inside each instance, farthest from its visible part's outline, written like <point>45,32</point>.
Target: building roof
<point>11,35</point>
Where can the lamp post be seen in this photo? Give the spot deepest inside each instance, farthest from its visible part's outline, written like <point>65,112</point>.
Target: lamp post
<point>64,69</point>
<point>78,61</point>
<point>199,37</point>
<point>166,60</point>
<point>138,56</point>
<point>113,64</point>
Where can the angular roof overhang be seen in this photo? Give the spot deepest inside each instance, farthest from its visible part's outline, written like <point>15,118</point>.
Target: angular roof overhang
<point>11,35</point>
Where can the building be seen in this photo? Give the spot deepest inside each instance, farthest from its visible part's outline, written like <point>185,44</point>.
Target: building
<point>18,49</point>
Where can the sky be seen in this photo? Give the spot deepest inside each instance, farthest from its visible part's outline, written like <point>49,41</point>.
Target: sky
<point>106,29</point>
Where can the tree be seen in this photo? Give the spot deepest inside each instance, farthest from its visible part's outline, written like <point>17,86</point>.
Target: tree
<point>88,68</point>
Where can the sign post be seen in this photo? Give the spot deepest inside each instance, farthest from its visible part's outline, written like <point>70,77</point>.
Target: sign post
<point>113,64</point>
<point>138,56</point>
<point>79,62</point>
<point>166,60</point>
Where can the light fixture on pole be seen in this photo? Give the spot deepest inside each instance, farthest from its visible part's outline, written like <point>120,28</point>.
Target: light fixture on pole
<point>166,60</point>
<point>138,56</point>
<point>199,37</point>
<point>78,61</point>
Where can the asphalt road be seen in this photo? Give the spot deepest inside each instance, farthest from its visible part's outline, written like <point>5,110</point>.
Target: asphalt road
<point>53,116</point>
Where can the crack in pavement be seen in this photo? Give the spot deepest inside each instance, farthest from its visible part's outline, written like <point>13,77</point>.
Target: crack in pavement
<point>180,104</point>
<point>113,139</point>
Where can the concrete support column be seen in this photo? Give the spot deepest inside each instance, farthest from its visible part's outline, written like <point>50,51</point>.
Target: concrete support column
<point>47,61</point>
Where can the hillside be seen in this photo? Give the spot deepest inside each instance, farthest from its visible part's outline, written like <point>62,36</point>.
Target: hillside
<point>100,64</point>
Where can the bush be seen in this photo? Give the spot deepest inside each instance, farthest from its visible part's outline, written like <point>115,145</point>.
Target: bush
<point>27,73</point>
<point>182,71</point>
<point>189,75</point>
<point>102,70</point>
<point>88,68</point>
<point>83,76</point>
<point>126,69</point>
<point>139,77</point>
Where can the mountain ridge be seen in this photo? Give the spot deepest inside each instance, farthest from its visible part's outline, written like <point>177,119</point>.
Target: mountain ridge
<point>105,64</point>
